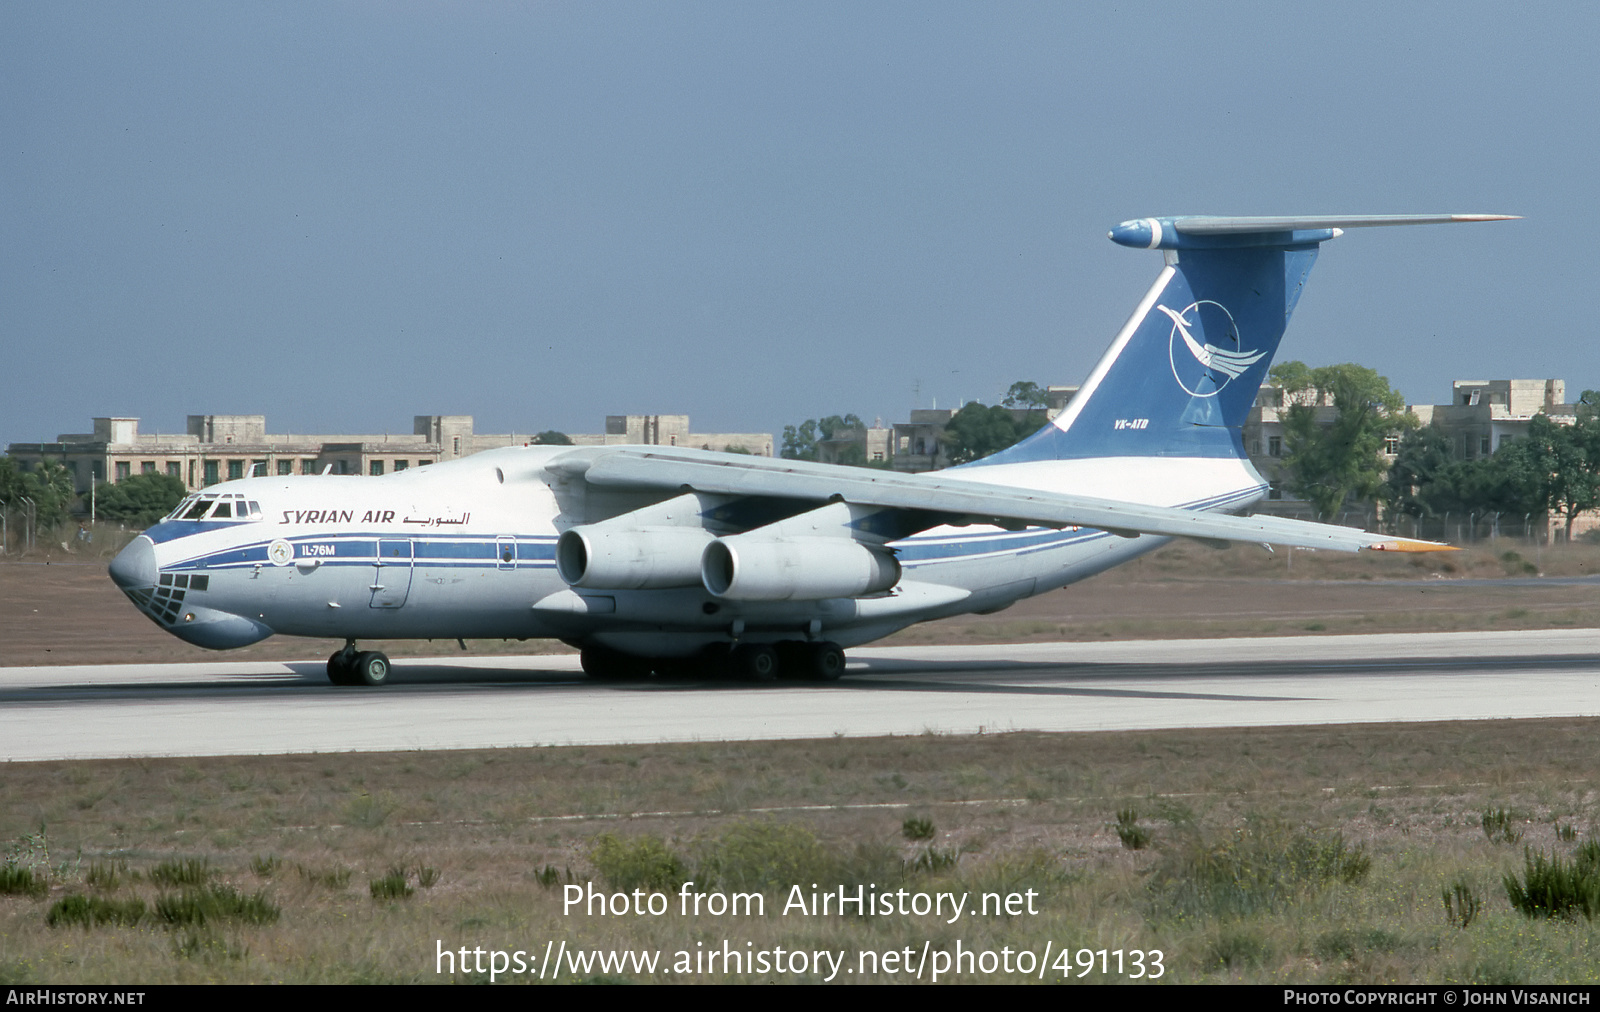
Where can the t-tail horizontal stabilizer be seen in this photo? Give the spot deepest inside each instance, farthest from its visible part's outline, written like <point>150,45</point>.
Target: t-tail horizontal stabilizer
<point>1181,376</point>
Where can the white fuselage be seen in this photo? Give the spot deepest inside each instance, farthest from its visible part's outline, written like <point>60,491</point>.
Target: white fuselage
<point>466,549</point>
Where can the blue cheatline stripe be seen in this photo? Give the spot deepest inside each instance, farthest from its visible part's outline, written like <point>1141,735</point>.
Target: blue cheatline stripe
<point>362,550</point>
<point>171,530</point>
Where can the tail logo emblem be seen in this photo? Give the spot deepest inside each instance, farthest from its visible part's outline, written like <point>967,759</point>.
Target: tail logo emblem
<point>1204,369</point>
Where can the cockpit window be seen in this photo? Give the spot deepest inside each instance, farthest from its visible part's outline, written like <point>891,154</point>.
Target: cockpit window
<point>217,507</point>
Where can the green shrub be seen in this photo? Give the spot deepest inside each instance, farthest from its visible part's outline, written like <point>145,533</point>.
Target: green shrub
<point>1261,866</point>
<point>392,886</point>
<point>105,877</point>
<point>19,881</point>
<point>1499,827</point>
<point>916,829</point>
<point>1132,835</point>
<point>642,862</point>
<point>1461,904</point>
<point>92,911</point>
<point>550,878</point>
<point>764,857</point>
<point>264,866</point>
<point>932,859</point>
<point>192,871</point>
<point>427,877</point>
<point>1551,887</point>
<point>195,907</point>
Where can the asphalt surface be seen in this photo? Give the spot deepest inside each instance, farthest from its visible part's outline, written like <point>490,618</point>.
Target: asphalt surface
<point>244,708</point>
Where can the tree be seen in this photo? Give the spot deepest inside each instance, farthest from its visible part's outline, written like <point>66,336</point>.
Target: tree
<point>49,485</point>
<point>139,501</point>
<point>1557,466</point>
<point>550,437</point>
<point>1029,395</point>
<point>800,442</point>
<point>1328,464</point>
<point>978,431</point>
<point>1422,480</point>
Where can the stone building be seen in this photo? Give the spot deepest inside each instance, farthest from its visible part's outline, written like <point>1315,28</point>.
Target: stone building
<point>1482,416</point>
<point>224,447</point>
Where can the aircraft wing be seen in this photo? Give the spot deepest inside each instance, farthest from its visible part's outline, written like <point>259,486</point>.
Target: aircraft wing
<point>959,500</point>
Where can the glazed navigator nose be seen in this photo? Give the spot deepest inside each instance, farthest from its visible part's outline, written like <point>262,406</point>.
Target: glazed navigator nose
<point>135,567</point>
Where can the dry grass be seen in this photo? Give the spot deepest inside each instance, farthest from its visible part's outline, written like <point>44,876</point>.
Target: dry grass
<point>499,833</point>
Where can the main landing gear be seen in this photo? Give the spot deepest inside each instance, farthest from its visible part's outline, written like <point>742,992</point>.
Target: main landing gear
<point>750,662</point>
<point>350,667</point>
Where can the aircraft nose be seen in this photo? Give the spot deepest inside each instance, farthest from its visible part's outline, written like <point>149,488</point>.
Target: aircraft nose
<point>135,566</point>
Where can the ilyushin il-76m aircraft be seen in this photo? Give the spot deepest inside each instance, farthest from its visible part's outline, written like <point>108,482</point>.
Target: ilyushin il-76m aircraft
<point>665,559</point>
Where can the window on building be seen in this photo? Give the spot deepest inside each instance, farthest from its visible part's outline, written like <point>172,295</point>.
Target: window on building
<point>375,468</point>
<point>211,472</point>
<point>400,465</point>
<point>147,467</point>
<point>175,469</point>
<point>457,444</point>
<point>424,462</point>
<point>123,469</point>
<point>308,466</point>
<point>1506,437</point>
<point>1274,446</point>
<point>235,470</point>
<point>344,466</point>
<point>1391,445</point>
<point>285,467</point>
<point>1483,446</point>
<point>258,469</point>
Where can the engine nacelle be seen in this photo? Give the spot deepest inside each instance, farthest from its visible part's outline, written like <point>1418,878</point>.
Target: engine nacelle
<point>637,559</point>
<point>741,568</point>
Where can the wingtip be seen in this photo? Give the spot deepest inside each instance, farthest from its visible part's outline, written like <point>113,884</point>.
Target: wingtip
<point>1407,545</point>
<point>1486,217</point>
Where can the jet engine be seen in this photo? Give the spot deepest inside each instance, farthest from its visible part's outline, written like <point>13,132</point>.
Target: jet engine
<point>745,568</point>
<point>637,559</point>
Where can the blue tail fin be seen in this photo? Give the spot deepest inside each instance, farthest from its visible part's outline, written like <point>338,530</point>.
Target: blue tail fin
<point>1182,374</point>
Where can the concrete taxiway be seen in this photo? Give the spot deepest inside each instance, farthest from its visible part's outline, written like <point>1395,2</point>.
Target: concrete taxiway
<point>232,708</point>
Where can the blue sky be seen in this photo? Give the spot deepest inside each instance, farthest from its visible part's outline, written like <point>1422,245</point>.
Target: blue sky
<point>344,214</point>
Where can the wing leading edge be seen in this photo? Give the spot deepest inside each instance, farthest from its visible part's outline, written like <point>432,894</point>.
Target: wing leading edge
<point>958,500</point>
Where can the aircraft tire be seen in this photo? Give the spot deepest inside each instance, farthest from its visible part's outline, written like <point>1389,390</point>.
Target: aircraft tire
<point>604,665</point>
<point>824,662</point>
<point>338,672</point>
<point>372,668</point>
<point>755,662</point>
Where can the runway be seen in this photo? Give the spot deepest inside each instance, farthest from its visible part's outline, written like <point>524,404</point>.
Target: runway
<point>232,708</point>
